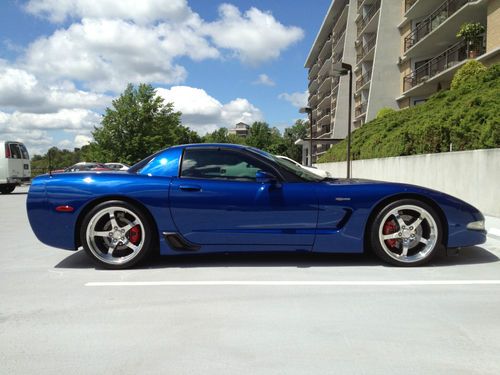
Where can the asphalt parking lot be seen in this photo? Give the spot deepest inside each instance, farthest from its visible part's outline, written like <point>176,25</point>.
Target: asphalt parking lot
<point>245,314</point>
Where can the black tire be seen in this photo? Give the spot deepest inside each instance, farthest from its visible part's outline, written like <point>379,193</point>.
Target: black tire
<point>399,242</point>
<point>7,189</point>
<point>127,250</point>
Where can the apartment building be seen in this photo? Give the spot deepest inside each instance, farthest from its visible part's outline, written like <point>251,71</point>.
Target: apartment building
<point>430,51</point>
<point>402,51</point>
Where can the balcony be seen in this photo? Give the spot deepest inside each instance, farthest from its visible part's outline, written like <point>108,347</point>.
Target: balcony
<point>338,42</point>
<point>366,49</point>
<point>362,22</point>
<point>313,71</point>
<point>446,60</point>
<point>326,51</point>
<point>325,68</point>
<point>436,18</point>
<point>363,80</point>
<point>326,85</point>
<point>324,101</point>
<point>313,86</point>
<point>360,110</point>
<point>409,4</point>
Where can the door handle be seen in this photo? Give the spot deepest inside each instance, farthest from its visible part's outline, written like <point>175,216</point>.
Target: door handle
<point>190,187</point>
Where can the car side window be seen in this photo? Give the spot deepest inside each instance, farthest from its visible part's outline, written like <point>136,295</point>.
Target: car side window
<point>216,163</point>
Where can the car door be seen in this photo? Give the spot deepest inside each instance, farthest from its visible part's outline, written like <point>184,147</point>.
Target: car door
<point>217,200</point>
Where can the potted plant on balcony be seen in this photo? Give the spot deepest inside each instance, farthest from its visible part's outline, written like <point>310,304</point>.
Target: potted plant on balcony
<point>472,34</point>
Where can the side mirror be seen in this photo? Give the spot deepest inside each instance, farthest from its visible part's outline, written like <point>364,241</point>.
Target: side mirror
<point>265,178</point>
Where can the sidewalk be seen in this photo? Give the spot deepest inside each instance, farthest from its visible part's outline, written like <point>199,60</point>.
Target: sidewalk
<point>493,227</point>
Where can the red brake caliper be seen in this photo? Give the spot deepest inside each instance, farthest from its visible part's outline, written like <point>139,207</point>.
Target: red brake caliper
<point>134,235</point>
<point>389,228</point>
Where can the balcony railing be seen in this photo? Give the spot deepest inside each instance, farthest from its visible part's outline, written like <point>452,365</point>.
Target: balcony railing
<point>368,16</point>
<point>436,18</point>
<point>409,4</point>
<point>365,78</point>
<point>366,48</point>
<point>452,56</point>
<point>360,110</point>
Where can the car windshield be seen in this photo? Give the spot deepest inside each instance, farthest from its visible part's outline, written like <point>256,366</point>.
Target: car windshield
<point>290,166</point>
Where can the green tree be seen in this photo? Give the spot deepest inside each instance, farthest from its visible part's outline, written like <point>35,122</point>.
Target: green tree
<point>262,136</point>
<point>138,124</point>
<point>292,134</point>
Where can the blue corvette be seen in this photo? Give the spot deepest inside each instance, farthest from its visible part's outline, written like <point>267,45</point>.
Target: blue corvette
<point>205,198</point>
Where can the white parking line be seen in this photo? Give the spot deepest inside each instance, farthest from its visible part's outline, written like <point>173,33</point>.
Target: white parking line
<point>296,283</point>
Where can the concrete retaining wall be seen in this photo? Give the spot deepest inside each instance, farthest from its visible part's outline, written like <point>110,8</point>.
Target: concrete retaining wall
<point>473,176</point>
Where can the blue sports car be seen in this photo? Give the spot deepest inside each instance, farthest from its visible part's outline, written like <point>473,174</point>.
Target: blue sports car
<point>205,198</point>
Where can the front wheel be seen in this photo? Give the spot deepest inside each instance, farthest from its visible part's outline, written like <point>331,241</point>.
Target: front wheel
<point>116,234</point>
<point>407,233</point>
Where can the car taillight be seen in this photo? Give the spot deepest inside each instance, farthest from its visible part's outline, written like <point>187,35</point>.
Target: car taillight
<point>7,151</point>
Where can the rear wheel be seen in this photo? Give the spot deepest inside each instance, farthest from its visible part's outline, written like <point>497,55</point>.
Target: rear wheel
<point>7,189</point>
<point>116,234</point>
<point>406,233</point>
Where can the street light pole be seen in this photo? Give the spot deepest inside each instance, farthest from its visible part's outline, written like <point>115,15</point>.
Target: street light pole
<point>308,110</point>
<point>342,69</point>
<point>349,120</point>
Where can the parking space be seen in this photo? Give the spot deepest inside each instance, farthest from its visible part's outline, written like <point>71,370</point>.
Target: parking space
<point>222,314</point>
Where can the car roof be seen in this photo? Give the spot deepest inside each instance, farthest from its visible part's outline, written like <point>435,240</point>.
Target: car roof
<point>197,145</point>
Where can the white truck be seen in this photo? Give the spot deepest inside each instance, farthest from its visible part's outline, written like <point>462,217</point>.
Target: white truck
<point>15,166</point>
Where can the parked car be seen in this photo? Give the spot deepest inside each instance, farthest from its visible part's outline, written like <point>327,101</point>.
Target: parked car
<point>15,166</point>
<point>205,198</point>
<point>314,170</point>
<point>117,166</point>
<point>83,166</point>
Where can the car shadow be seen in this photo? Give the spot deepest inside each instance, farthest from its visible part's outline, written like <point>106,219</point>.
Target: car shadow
<point>465,256</point>
<point>14,193</point>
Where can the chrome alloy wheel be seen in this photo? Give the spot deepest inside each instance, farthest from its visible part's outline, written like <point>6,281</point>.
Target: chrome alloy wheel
<point>408,233</point>
<point>115,235</point>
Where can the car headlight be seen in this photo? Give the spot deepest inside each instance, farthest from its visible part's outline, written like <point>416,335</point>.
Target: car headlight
<point>476,225</point>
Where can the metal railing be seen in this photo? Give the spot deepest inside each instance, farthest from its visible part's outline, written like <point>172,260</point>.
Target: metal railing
<point>369,15</point>
<point>452,56</point>
<point>365,78</point>
<point>366,48</point>
<point>436,18</point>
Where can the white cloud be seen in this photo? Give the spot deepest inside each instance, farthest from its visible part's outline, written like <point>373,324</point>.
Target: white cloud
<point>65,144</point>
<point>64,119</point>
<point>144,11</point>
<point>60,82</point>
<point>297,99</point>
<point>108,54</point>
<point>204,113</point>
<point>81,140</point>
<point>265,80</point>
<point>254,36</point>
<point>20,90</point>
<point>115,43</point>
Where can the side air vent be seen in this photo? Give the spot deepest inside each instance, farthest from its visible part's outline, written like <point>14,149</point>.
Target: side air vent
<point>177,242</point>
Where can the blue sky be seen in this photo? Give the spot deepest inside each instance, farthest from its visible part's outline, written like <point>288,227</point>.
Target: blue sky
<point>62,62</point>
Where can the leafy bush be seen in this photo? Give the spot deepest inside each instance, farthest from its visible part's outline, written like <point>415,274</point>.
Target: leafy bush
<point>468,74</point>
<point>467,116</point>
<point>471,31</point>
<point>385,111</point>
